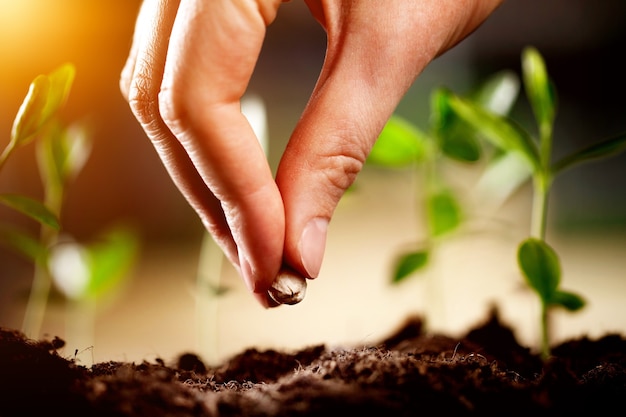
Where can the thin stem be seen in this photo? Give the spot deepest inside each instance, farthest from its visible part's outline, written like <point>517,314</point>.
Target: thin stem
<point>540,207</point>
<point>38,296</point>
<point>208,288</point>
<point>42,280</point>
<point>545,333</point>
<point>5,154</point>
<point>541,189</point>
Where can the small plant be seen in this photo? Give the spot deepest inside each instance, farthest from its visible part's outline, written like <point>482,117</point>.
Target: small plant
<point>81,272</point>
<point>538,262</point>
<point>449,140</point>
<point>402,145</point>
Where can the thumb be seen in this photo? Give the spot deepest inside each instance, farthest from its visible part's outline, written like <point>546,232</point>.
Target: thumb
<point>375,51</point>
<point>354,97</point>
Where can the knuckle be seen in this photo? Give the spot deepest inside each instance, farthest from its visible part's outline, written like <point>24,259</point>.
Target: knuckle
<point>341,170</point>
<point>142,102</point>
<point>346,159</point>
<point>174,104</point>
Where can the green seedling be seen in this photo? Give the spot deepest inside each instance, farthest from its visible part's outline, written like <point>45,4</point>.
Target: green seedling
<point>539,263</point>
<point>61,151</point>
<point>403,145</point>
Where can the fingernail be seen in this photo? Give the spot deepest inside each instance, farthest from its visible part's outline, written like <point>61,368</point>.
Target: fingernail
<point>246,273</point>
<point>312,245</point>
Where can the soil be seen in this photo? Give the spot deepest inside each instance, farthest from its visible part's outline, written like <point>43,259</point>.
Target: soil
<point>484,373</point>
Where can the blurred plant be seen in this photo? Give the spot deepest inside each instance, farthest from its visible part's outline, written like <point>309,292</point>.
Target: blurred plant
<point>538,261</point>
<point>401,145</point>
<point>80,272</point>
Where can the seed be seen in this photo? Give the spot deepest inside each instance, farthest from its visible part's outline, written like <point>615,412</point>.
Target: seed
<point>288,288</point>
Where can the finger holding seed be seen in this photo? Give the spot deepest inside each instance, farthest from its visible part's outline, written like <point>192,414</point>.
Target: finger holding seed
<point>288,287</point>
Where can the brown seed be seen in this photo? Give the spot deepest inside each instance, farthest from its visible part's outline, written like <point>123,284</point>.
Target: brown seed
<point>288,288</point>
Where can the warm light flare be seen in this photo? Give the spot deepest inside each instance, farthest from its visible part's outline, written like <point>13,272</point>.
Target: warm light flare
<point>18,18</point>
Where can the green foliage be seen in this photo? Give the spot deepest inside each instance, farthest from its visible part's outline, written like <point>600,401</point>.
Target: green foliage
<point>601,150</point>
<point>32,208</point>
<point>46,95</point>
<point>110,259</point>
<point>400,144</point>
<point>84,271</point>
<point>23,243</point>
<point>475,127</point>
<point>408,263</point>
<point>538,262</point>
<point>403,145</point>
<point>540,265</point>
<point>444,211</point>
<point>501,131</point>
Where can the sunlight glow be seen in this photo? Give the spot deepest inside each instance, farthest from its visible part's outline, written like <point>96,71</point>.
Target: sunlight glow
<point>18,17</point>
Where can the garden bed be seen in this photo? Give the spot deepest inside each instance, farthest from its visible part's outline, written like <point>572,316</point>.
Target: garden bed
<point>485,372</point>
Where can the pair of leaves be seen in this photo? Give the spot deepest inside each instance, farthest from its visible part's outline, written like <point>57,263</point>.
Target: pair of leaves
<point>542,270</point>
<point>46,95</point>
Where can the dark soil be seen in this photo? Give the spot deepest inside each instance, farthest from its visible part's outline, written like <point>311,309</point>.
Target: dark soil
<point>484,373</point>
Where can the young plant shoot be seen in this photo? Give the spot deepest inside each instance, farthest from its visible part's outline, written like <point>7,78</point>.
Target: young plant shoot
<point>401,144</point>
<point>539,263</point>
<point>61,152</point>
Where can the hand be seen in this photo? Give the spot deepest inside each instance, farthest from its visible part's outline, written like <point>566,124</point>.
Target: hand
<point>189,66</point>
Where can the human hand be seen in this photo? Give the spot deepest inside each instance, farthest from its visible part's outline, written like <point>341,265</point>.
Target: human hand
<point>189,66</point>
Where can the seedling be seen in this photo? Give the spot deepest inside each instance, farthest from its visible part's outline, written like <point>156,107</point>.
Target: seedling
<point>402,144</point>
<point>539,263</point>
<point>80,272</point>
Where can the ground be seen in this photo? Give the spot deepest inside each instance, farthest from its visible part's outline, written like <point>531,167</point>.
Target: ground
<point>484,373</point>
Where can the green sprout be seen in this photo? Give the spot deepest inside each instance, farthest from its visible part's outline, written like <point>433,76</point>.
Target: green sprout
<point>539,263</point>
<point>402,144</point>
<point>61,152</point>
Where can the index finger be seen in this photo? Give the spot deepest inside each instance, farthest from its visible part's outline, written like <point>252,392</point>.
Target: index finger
<point>212,52</point>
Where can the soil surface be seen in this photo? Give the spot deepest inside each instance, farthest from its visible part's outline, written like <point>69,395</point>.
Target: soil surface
<point>484,373</point>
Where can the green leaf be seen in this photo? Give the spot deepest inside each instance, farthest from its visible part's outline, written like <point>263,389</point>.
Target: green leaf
<point>540,265</point>
<point>605,149</point>
<point>409,263</point>
<point>461,147</point>
<point>110,259</point>
<point>399,144</point>
<point>47,93</point>
<point>457,139</point>
<point>502,132</point>
<point>23,243</point>
<point>568,300</point>
<point>538,87</point>
<point>444,212</point>
<point>29,116</point>
<point>32,208</point>
<point>61,80</point>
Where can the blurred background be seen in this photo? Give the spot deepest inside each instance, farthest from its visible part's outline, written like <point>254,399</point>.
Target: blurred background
<point>160,311</point>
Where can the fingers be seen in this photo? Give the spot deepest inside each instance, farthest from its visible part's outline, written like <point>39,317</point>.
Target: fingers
<point>205,76</point>
<point>189,66</point>
<point>375,51</point>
